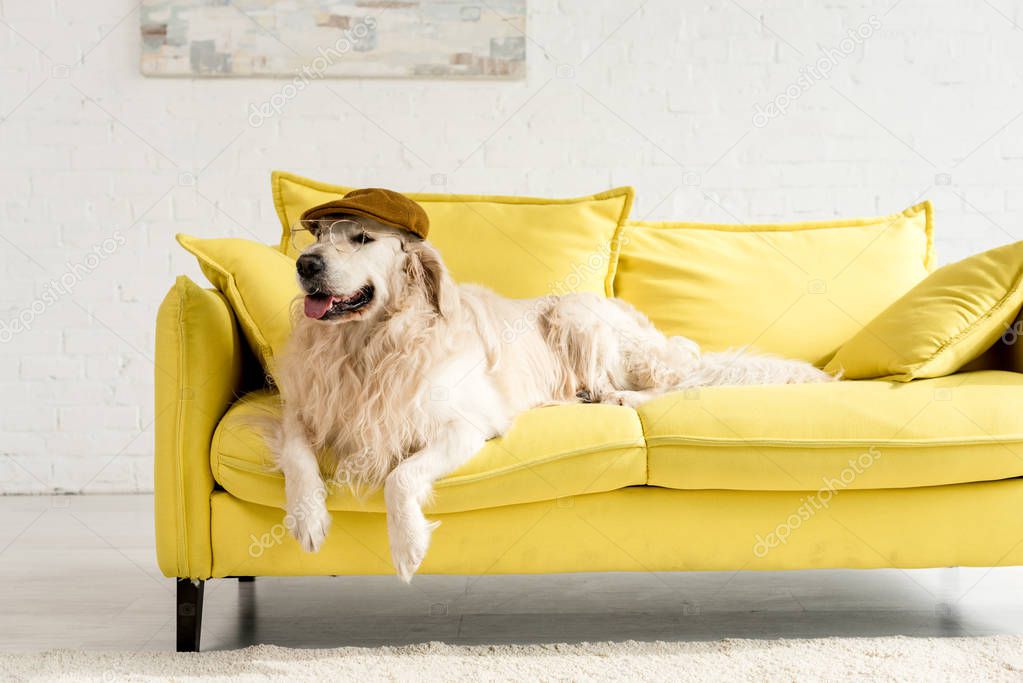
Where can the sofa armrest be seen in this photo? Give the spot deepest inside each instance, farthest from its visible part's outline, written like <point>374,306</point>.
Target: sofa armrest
<point>199,356</point>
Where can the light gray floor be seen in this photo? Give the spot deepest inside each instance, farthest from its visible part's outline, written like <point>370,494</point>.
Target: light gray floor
<point>80,571</point>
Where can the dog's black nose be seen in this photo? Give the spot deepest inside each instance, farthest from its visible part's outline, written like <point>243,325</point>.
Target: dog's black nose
<point>309,265</point>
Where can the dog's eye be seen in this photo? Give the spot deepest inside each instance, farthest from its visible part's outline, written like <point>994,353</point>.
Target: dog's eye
<point>362,238</point>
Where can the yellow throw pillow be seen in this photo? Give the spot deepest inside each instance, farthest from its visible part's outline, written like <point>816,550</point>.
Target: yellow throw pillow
<point>799,290</point>
<point>258,281</point>
<point>518,246</point>
<point>943,323</point>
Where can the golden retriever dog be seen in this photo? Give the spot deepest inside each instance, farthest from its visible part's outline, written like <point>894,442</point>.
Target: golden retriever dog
<point>395,375</point>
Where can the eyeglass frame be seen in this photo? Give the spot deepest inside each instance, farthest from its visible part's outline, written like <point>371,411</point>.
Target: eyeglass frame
<point>316,230</point>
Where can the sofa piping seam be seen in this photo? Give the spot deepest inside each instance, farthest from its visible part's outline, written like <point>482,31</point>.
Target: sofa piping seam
<point>795,226</point>
<point>660,441</point>
<point>183,569</point>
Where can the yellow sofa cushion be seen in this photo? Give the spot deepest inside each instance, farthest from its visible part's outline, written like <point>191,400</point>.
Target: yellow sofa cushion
<point>866,435</point>
<point>795,289</point>
<point>548,453</point>
<point>518,246</point>
<point>943,323</point>
<point>259,281</point>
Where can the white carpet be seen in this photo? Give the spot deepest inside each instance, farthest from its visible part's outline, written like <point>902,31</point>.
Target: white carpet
<point>923,659</point>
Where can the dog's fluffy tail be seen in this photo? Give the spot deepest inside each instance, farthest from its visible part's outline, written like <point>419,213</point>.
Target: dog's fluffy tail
<point>741,366</point>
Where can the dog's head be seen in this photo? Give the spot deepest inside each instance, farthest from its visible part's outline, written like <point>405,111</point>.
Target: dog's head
<point>359,269</point>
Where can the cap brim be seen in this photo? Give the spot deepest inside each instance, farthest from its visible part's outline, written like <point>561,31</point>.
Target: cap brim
<point>338,209</point>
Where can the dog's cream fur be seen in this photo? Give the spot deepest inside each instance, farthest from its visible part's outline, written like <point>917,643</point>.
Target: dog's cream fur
<point>407,388</point>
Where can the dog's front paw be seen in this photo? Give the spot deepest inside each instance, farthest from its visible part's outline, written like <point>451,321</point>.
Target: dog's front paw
<point>309,526</point>
<point>409,542</point>
<point>631,399</point>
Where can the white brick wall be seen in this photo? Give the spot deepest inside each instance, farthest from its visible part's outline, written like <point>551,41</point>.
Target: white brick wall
<point>657,94</point>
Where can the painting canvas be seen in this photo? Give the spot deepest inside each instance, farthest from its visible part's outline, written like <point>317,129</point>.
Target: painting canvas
<point>334,38</point>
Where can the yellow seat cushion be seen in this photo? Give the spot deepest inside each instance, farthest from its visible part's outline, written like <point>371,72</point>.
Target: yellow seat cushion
<point>548,453</point>
<point>865,435</point>
<point>259,281</point>
<point>943,323</point>
<point>799,290</point>
<point>518,246</point>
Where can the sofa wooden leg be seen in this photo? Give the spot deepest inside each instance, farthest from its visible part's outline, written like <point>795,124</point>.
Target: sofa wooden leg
<point>189,614</point>
<point>246,579</point>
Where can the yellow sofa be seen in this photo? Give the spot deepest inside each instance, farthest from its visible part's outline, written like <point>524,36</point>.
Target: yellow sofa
<point>852,474</point>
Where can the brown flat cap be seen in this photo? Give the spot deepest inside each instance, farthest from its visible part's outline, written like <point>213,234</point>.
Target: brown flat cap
<point>388,207</point>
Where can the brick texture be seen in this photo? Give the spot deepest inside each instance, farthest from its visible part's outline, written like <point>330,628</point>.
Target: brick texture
<point>716,110</point>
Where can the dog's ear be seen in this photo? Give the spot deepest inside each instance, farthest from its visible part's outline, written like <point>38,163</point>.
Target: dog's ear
<point>426,270</point>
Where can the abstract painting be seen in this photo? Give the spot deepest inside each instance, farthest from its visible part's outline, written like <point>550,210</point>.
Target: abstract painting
<point>334,38</point>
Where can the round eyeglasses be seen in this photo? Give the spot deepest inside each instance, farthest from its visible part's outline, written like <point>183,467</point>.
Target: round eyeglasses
<point>342,234</point>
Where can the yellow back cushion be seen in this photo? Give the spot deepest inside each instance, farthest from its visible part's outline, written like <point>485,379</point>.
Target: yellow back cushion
<point>518,246</point>
<point>943,323</point>
<point>798,290</point>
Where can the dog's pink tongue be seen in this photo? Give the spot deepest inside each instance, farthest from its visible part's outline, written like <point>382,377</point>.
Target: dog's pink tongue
<point>317,306</point>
